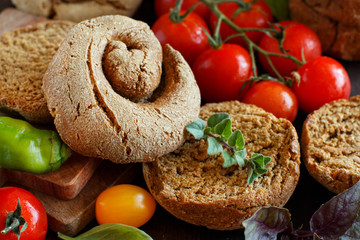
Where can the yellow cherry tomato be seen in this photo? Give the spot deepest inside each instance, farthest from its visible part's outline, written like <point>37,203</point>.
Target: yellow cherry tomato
<point>125,203</point>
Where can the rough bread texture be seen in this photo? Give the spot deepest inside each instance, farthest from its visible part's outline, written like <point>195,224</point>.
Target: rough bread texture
<point>77,10</point>
<point>196,188</point>
<point>97,121</point>
<point>335,21</point>
<point>24,57</point>
<point>330,144</point>
<point>41,8</point>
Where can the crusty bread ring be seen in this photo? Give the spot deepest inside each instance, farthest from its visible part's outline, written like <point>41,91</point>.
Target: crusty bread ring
<point>96,121</point>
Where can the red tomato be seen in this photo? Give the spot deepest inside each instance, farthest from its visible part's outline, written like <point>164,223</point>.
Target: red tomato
<point>221,72</point>
<point>125,203</point>
<point>188,36</point>
<point>273,97</point>
<point>299,39</point>
<point>164,6</point>
<point>322,80</point>
<point>31,210</point>
<point>257,17</point>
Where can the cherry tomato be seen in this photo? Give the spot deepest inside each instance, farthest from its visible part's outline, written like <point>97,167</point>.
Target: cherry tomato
<point>31,210</point>
<point>322,80</point>
<point>273,97</point>
<point>258,16</point>
<point>299,41</point>
<point>164,6</point>
<point>125,203</point>
<point>188,36</point>
<point>220,73</point>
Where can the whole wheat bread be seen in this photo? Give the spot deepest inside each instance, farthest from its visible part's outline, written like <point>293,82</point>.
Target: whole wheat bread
<point>196,188</point>
<point>24,57</point>
<point>330,144</point>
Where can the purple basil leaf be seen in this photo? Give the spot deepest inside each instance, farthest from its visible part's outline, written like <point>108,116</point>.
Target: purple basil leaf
<point>336,217</point>
<point>353,232</point>
<point>266,223</point>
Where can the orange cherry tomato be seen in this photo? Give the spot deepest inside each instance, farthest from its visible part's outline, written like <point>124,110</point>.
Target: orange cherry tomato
<point>126,204</point>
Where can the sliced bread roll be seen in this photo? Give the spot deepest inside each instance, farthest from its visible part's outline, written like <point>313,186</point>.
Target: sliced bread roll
<point>24,57</point>
<point>196,188</point>
<point>330,144</point>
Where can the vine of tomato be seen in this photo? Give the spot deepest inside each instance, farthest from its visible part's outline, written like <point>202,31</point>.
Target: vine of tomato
<point>322,80</point>
<point>259,16</point>
<point>300,41</point>
<point>164,6</point>
<point>273,97</point>
<point>187,36</point>
<point>220,73</point>
<point>32,211</point>
<point>125,203</point>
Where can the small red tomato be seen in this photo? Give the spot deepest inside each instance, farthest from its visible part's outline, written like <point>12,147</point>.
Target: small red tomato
<point>125,203</point>
<point>31,210</point>
<point>322,80</point>
<point>259,16</point>
<point>220,73</point>
<point>164,6</point>
<point>299,41</point>
<point>273,97</point>
<point>188,36</point>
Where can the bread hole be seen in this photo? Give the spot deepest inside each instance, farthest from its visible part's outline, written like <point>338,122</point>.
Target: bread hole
<point>128,150</point>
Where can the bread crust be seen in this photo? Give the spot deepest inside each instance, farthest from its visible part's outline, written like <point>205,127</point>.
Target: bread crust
<point>336,22</point>
<point>330,144</point>
<point>24,58</point>
<point>77,10</point>
<point>96,121</point>
<point>196,188</point>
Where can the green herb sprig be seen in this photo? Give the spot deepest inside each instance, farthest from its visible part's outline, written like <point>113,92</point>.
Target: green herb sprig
<point>221,139</point>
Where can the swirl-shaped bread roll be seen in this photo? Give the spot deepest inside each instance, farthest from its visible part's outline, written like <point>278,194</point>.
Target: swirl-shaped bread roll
<point>104,91</point>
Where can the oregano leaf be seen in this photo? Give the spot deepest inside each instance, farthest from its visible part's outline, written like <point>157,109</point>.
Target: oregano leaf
<point>266,223</point>
<point>240,157</point>
<point>214,147</point>
<point>223,128</point>
<point>228,159</point>
<point>237,139</point>
<point>337,216</point>
<point>196,128</point>
<point>251,175</point>
<point>216,118</point>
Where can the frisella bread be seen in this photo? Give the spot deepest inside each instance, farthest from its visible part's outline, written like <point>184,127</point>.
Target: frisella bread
<point>194,186</point>
<point>330,144</point>
<point>77,10</point>
<point>96,115</point>
<point>24,57</point>
<point>336,22</point>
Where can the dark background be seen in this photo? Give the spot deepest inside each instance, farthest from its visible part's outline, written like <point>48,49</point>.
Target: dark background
<point>307,198</point>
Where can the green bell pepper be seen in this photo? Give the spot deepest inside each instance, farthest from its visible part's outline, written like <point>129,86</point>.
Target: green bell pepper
<point>26,148</point>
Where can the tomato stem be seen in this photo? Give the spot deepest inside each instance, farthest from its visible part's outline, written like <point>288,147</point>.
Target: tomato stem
<point>14,220</point>
<point>212,5</point>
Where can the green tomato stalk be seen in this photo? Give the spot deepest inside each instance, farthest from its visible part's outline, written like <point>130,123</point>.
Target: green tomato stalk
<point>216,40</point>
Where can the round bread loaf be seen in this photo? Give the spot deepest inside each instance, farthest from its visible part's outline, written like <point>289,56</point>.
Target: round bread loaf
<point>335,21</point>
<point>24,57</point>
<point>111,53</point>
<point>330,144</point>
<point>196,188</point>
<point>77,10</point>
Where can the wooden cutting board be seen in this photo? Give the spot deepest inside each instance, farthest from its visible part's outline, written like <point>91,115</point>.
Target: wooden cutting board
<point>68,194</point>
